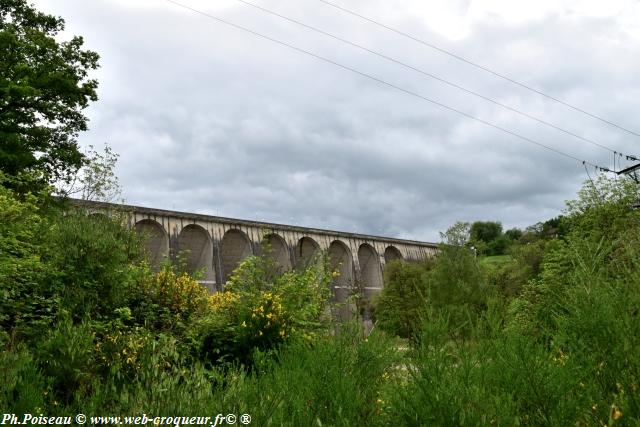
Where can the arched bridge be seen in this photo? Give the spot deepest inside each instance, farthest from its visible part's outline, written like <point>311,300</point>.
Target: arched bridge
<point>215,245</point>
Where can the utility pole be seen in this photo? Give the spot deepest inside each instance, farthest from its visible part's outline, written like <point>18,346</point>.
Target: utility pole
<point>632,172</point>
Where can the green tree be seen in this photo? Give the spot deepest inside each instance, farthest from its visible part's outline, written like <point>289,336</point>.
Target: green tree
<point>44,87</point>
<point>96,179</point>
<point>485,231</point>
<point>451,285</point>
<point>487,237</point>
<point>513,233</point>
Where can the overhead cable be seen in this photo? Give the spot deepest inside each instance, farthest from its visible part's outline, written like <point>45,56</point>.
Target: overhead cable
<point>383,82</point>
<point>476,65</point>
<point>430,75</point>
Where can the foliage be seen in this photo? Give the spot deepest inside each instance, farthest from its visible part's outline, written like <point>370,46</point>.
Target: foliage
<point>91,261</point>
<point>488,239</point>
<point>167,300</point>
<point>23,301</point>
<point>44,88</point>
<point>513,233</point>
<point>22,386</point>
<point>524,263</point>
<point>547,335</point>
<point>260,310</point>
<point>485,231</point>
<point>65,356</point>
<point>338,380</point>
<point>452,283</point>
<point>96,179</point>
<point>402,300</point>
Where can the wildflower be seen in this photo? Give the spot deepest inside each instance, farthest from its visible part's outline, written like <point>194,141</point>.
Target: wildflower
<point>615,412</point>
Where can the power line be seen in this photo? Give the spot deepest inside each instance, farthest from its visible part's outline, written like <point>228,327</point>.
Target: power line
<point>425,73</point>
<point>401,89</point>
<point>481,67</point>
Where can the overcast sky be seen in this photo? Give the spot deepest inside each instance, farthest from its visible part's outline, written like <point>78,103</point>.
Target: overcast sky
<point>210,119</point>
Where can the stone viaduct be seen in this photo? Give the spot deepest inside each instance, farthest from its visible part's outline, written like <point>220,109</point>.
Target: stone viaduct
<point>215,245</point>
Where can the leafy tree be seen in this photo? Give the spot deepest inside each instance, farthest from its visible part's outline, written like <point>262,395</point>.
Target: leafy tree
<point>44,87</point>
<point>513,233</point>
<point>485,231</point>
<point>450,285</point>
<point>96,179</point>
<point>487,237</point>
<point>401,305</point>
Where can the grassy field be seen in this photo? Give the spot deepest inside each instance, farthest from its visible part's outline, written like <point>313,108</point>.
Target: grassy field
<point>494,260</point>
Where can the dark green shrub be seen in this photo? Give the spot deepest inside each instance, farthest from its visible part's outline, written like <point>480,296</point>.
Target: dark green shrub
<point>451,283</point>
<point>66,356</point>
<point>337,380</point>
<point>402,302</point>
<point>91,262</point>
<point>23,388</point>
<point>27,307</point>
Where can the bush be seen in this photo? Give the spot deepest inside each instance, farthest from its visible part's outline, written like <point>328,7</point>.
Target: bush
<point>66,356</point>
<point>524,264</point>
<point>166,300</point>
<point>452,283</point>
<point>91,261</point>
<point>401,304</point>
<point>23,387</point>
<point>337,380</point>
<point>259,311</point>
<point>26,306</point>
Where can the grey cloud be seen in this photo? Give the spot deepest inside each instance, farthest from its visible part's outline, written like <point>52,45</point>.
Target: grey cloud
<point>209,119</point>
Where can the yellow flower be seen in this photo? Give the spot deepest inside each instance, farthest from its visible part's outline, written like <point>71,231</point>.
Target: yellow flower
<point>615,412</point>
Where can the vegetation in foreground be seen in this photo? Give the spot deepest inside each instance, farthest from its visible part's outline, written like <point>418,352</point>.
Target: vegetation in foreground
<point>547,336</point>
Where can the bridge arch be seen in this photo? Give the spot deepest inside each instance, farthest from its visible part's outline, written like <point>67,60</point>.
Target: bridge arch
<point>196,246</point>
<point>371,275</point>
<point>306,250</point>
<point>235,247</point>
<point>391,253</point>
<point>275,247</point>
<point>156,242</point>
<point>342,276</point>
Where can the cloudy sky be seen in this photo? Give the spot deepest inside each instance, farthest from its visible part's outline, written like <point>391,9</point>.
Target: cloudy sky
<point>211,119</point>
